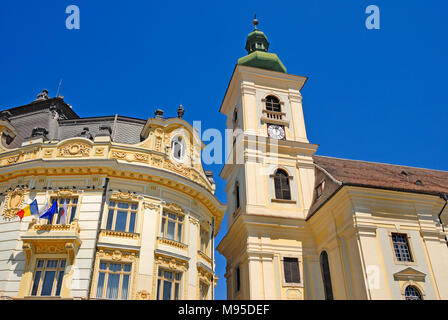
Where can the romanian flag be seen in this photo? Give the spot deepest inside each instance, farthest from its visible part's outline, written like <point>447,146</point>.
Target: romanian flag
<point>30,209</point>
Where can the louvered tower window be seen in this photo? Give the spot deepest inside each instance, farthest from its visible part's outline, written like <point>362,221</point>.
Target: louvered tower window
<point>281,183</point>
<point>273,104</point>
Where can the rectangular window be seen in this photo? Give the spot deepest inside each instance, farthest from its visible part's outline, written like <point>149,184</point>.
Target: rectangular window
<point>291,270</point>
<point>203,287</point>
<point>401,247</point>
<point>113,280</point>
<point>71,205</point>
<point>171,227</point>
<point>237,279</point>
<point>237,195</point>
<point>122,216</point>
<point>48,277</point>
<point>169,284</point>
<point>204,241</point>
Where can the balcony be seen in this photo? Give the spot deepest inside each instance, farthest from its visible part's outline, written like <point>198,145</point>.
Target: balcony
<point>274,117</point>
<point>113,238</point>
<point>171,243</point>
<point>204,258</point>
<point>52,239</point>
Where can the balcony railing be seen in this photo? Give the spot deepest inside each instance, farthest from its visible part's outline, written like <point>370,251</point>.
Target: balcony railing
<point>119,234</point>
<point>172,243</point>
<point>274,117</point>
<point>204,256</point>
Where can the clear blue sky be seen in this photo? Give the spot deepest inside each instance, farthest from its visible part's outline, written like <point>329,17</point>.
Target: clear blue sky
<point>376,95</point>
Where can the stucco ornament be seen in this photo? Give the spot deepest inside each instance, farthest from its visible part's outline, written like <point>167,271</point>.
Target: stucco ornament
<point>143,295</point>
<point>13,202</point>
<point>74,150</point>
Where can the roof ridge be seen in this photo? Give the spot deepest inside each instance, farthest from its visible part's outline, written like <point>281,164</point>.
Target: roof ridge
<point>382,163</point>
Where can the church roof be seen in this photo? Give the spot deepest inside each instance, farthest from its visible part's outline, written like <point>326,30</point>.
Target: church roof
<point>340,172</point>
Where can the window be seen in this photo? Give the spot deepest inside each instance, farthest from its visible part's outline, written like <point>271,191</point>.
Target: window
<point>235,116</point>
<point>203,287</point>
<point>237,279</point>
<point>281,183</point>
<point>71,204</point>
<point>121,216</point>
<point>326,277</point>
<point>273,104</point>
<point>204,241</point>
<point>401,247</point>
<point>291,270</point>
<point>48,277</point>
<point>412,293</point>
<point>113,280</point>
<point>168,285</point>
<point>172,226</point>
<point>320,189</point>
<point>237,195</point>
<point>178,148</point>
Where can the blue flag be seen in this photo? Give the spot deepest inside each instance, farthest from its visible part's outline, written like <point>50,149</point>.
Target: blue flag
<point>51,211</point>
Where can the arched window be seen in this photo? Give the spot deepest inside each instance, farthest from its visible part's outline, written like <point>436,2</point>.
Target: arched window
<point>326,277</point>
<point>412,293</point>
<point>178,148</point>
<point>273,104</point>
<point>237,195</point>
<point>281,183</point>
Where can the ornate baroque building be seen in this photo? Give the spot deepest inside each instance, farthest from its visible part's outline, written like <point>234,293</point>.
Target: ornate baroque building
<point>302,226</point>
<point>141,215</point>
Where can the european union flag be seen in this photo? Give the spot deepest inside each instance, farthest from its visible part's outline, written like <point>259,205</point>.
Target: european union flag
<point>51,211</point>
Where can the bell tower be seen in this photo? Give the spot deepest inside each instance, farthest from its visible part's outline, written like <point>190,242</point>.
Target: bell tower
<point>269,176</point>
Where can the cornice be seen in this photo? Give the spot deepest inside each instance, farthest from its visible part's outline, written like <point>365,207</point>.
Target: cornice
<point>112,168</point>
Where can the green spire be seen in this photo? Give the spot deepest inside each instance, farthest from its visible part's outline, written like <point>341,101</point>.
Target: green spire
<point>257,46</point>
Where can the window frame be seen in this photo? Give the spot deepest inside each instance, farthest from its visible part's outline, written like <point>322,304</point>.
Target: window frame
<point>410,248</point>
<point>58,269</point>
<point>327,282</point>
<point>129,212</point>
<point>320,189</point>
<point>106,277</point>
<point>56,218</point>
<point>205,231</point>
<point>163,233</point>
<point>299,270</point>
<point>413,286</point>
<point>203,284</point>
<point>180,140</point>
<point>237,280</point>
<point>271,107</point>
<point>161,278</point>
<point>286,177</point>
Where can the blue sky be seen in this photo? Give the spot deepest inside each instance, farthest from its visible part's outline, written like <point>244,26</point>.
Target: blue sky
<point>376,95</point>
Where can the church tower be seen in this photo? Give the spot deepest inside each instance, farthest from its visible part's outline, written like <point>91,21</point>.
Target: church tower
<point>269,176</point>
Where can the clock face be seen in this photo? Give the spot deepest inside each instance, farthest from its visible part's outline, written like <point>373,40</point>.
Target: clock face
<point>276,132</point>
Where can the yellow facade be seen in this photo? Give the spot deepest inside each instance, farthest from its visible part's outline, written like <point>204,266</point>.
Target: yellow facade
<point>354,226</point>
<point>104,177</point>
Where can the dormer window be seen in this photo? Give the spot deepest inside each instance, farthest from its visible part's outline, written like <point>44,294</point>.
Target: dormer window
<point>320,189</point>
<point>178,148</point>
<point>273,104</point>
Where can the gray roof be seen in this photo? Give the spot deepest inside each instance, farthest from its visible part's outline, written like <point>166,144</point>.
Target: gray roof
<point>60,122</point>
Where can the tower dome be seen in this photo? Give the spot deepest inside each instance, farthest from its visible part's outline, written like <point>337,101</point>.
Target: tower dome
<point>257,46</point>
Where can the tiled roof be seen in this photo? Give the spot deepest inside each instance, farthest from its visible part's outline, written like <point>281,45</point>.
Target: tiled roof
<point>387,176</point>
<point>339,172</point>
